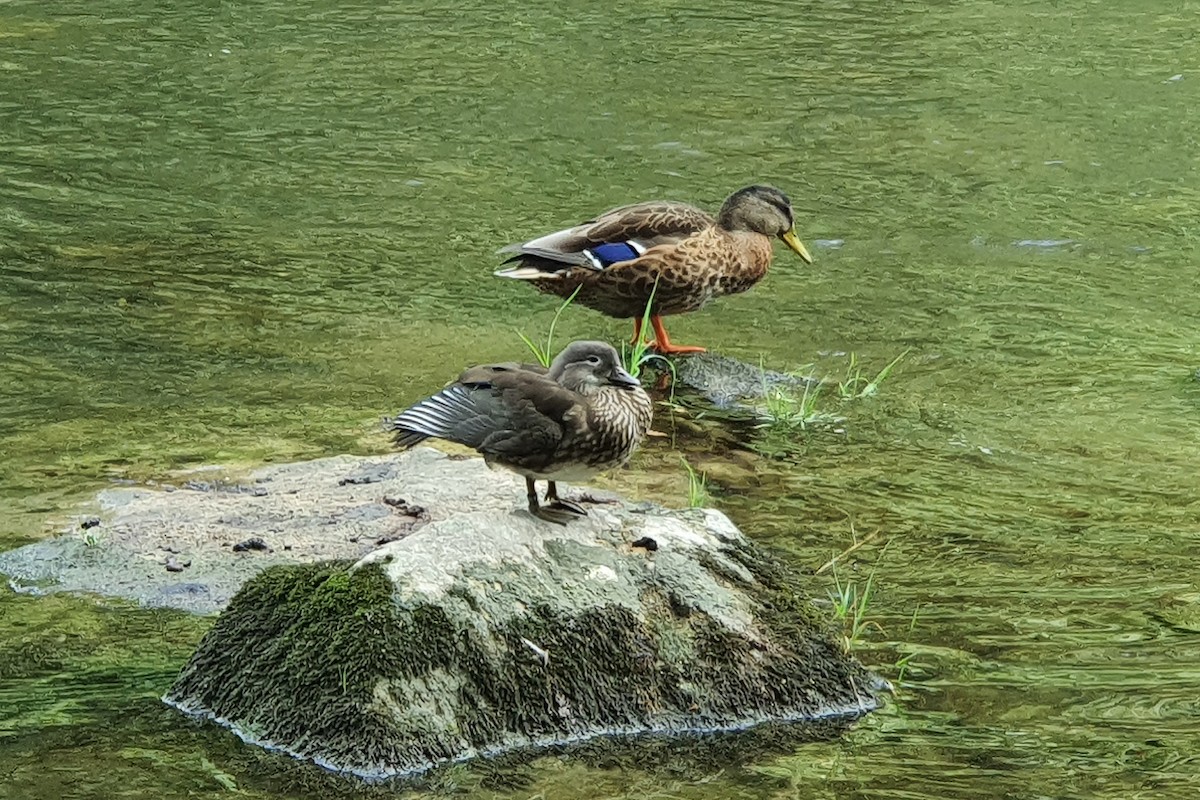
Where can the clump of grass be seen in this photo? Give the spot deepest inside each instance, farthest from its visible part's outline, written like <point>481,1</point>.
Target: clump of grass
<point>852,602</point>
<point>850,605</point>
<point>546,354</point>
<point>788,408</point>
<point>856,387</point>
<point>633,357</point>
<point>697,486</point>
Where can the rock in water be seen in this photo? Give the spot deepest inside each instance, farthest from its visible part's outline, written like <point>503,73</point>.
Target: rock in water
<point>487,630</point>
<point>726,382</point>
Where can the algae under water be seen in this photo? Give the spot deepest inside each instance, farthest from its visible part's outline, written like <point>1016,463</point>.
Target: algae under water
<point>241,233</point>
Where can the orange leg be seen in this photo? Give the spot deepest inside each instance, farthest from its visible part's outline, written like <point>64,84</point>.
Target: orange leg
<point>662,342</point>
<point>637,331</point>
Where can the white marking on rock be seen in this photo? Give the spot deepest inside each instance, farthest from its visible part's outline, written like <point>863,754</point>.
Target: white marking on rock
<point>602,573</point>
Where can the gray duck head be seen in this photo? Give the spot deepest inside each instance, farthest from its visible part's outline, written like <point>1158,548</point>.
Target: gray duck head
<point>585,367</point>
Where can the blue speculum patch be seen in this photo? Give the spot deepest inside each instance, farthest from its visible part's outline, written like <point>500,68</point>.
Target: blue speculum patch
<point>614,252</point>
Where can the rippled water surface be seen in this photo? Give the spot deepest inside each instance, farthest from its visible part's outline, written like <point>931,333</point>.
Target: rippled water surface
<point>237,233</point>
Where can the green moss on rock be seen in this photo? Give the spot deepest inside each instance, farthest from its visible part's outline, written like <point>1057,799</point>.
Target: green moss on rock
<point>338,665</point>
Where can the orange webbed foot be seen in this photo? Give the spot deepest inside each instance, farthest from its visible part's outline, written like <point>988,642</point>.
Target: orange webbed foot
<point>675,349</point>
<point>662,342</point>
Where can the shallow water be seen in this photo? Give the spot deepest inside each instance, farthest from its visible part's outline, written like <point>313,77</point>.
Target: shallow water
<point>241,234</point>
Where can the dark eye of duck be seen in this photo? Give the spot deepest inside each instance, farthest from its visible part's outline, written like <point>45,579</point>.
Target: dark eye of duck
<point>594,360</point>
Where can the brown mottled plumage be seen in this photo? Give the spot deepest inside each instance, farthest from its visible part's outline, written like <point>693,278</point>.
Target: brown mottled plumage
<point>616,259</point>
<point>583,415</point>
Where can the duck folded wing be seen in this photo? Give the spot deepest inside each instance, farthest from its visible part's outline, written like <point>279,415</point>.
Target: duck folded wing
<point>510,413</point>
<point>485,373</point>
<point>648,224</point>
<point>619,234</point>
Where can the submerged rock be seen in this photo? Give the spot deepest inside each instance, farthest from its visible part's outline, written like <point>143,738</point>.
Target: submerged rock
<point>726,382</point>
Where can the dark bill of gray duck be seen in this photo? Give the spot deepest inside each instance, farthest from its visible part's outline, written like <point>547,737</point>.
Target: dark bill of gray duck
<point>582,416</point>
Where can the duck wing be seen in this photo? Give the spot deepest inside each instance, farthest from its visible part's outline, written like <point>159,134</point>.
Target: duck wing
<point>486,372</point>
<point>516,415</point>
<point>619,234</point>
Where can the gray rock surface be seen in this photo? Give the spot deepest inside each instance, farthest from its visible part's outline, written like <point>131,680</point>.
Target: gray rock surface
<point>192,546</point>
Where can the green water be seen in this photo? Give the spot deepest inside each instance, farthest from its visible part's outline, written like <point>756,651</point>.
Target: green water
<point>239,233</point>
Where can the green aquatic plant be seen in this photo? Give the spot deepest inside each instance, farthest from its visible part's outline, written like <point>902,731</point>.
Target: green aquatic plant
<point>850,606</point>
<point>852,602</point>
<point>791,408</point>
<point>912,623</point>
<point>787,407</point>
<point>856,387</point>
<point>545,355</point>
<point>634,356</point>
<point>902,667</point>
<point>901,664</point>
<point>638,354</point>
<point>697,486</point>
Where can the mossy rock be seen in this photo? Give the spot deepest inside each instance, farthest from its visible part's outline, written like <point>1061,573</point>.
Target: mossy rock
<point>484,633</point>
<point>729,383</point>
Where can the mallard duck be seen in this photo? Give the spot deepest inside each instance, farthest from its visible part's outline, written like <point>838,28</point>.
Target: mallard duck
<point>583,415</point>
<point>679,253</point>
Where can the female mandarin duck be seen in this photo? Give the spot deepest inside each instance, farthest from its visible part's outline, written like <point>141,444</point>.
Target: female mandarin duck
<point>674,251</point>
<point>583,415</point>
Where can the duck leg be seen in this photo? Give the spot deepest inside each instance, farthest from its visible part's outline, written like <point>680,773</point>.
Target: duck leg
<point>562,505</point>
<point>662,342</point>
<point>559,516</point>
<point>637,331</point>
